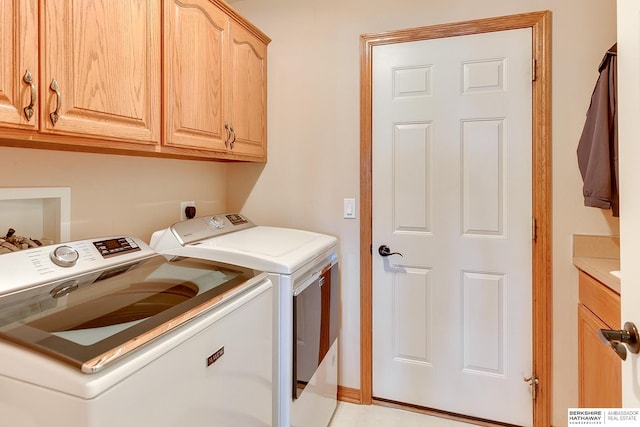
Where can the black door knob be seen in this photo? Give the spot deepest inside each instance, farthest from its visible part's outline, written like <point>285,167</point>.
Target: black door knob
<point>616,339</point>
<point>384,250</point>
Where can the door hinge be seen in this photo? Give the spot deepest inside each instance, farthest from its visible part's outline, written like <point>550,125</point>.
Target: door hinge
<point>534,68</point>
<point>533,382</point>
<point>534,229</point>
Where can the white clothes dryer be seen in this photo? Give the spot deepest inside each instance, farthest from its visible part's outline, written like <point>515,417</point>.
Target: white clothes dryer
<point>303,267</point>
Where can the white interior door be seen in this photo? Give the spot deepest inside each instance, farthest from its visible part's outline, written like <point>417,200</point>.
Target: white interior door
<point>452,192</point>
<point>629,154</point>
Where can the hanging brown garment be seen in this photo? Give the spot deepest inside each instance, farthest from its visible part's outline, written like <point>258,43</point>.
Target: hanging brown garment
<point>598,146</point>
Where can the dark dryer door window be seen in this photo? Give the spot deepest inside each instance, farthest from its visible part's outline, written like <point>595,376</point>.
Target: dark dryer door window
<point>315,327</point>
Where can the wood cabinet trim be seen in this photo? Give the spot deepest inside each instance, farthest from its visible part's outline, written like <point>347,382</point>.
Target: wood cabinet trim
<point>237,17</point>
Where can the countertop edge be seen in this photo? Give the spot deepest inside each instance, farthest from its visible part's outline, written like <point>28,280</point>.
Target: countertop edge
<point>599,269</point>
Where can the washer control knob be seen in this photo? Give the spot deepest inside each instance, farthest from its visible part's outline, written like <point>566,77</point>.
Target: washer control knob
<point>64,256</point>
<point>217,221</point>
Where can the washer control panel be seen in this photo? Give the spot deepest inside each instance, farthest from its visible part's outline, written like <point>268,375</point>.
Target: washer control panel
<point>46,264</point>
<point>116,246</point>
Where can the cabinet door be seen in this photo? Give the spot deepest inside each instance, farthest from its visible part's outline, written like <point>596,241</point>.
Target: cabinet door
<point>195,34</point>
<point>599,368</point>
<point>105,57</point>
<point>19,56</point>
<point>248,103</point>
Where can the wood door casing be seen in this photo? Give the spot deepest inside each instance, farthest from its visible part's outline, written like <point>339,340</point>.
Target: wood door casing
<point>540,22</point>
<point>105,57</point>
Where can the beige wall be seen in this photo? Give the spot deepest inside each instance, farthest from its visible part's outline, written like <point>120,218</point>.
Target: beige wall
<point>113,194</point>
<point>314,136</point>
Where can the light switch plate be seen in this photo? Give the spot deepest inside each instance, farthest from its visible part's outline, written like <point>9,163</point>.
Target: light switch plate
<point>349,208</point>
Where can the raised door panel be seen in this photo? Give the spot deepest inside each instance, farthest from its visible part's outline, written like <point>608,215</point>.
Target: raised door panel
<point>599,368</point>
<point>248,102</point>
<point>19,55</point>
<point>195,36</point>
<point>105,57</point>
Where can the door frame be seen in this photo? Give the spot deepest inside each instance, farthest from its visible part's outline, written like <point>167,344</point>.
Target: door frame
<point>540,23</point>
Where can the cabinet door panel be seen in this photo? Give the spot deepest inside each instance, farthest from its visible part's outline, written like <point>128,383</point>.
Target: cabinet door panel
<point>599,368</point>
<point>249,92</point>
<point>600,300</point>
<point>105,56</point>
<point>195,36</point>
<point>18,53</point>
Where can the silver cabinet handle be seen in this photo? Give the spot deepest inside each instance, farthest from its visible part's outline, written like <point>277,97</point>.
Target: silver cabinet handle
<point>228,134</point>
<point>230,137</point>
<point>28,110</point>
<point>616,339</point>
<point>233,134</point>
<point>55,115</point>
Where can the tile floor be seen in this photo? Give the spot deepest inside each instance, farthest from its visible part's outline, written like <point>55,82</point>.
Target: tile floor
<point>351,415</point>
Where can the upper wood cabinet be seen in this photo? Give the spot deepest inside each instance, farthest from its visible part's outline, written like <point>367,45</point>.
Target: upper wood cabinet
<point>195,36</point>
<point>101,69</point>
<point>128,77</point>
<point>248,99</point>
<point>215,69</point>
<point>19,56</point>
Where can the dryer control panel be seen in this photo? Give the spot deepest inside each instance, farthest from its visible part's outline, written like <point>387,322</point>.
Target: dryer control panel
<point>205,227</point>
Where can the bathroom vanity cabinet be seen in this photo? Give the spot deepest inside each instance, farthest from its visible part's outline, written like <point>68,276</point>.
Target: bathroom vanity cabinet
<point>599,367</point>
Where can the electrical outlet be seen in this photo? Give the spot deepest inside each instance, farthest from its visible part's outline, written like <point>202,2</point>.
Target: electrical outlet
<point>183,206</point>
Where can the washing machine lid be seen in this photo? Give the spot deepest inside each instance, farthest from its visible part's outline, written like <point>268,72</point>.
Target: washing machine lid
<point>96,318</point>
<point>271,249</point>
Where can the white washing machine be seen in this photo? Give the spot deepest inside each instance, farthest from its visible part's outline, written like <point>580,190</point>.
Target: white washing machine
<point>303,267</point>
<point>105,332</point>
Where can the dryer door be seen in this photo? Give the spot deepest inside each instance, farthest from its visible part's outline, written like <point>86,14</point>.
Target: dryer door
<point>315,327</point>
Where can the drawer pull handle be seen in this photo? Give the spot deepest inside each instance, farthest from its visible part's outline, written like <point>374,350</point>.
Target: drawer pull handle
<point>233,135</point>
<point>56,114</point>
<point>28,110</point>
<point>228,134</point>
